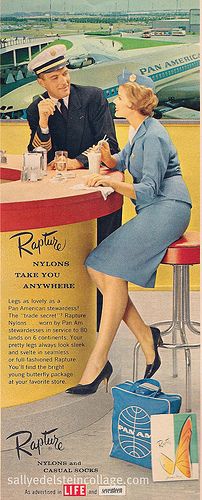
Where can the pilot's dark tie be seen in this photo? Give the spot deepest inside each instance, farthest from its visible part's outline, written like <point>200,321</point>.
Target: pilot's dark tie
<point>63,109</point>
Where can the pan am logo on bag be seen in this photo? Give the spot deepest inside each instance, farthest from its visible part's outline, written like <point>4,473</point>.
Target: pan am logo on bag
<point>134,432</point>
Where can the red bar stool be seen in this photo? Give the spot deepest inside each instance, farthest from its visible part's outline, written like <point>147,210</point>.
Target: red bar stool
<point>181,254</point>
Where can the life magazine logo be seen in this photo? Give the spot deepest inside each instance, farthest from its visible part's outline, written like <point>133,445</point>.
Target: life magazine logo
<point>74,490</point>
<point>25,445</point>
<point>134,432</point>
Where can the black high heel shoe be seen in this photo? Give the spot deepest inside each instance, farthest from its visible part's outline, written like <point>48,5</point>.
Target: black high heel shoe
<point>157,340</point>
<point>93,386</point>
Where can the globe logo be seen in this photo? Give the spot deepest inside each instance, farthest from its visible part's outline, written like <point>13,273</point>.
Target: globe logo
<point>134,432</point>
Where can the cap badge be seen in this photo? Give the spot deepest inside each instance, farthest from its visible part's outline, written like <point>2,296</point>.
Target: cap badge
<point>132,78</point>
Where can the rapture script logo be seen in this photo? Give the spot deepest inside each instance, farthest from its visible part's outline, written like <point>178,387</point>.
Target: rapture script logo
<point>26,243</point>
<point>25,445</point>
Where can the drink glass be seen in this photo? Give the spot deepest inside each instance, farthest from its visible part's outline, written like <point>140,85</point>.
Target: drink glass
<point>94,160</point>
<point>43,152</point>
<point>61,158</point>
<point>31,170</point>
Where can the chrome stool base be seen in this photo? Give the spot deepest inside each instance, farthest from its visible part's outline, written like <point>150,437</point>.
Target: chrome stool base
<point>180,324</point>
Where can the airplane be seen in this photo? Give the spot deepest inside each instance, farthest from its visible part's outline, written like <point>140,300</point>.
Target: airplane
<point>174,70</point>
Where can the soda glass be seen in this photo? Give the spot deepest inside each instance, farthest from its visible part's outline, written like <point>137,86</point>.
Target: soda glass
<point>61,158</point>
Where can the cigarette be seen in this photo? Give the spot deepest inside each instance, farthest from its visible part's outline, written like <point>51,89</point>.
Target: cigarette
<point>42,97</point>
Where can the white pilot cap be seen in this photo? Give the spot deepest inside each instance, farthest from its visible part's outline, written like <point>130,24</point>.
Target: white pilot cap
<point>50,59</point>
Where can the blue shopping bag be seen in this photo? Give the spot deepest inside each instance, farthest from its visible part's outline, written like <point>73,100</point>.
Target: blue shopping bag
<point>134,403</point>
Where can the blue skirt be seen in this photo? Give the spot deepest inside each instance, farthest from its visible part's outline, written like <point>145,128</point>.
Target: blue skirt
<point>134,251</point>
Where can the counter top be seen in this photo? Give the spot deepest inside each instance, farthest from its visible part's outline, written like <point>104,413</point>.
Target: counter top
<point>46,202</point>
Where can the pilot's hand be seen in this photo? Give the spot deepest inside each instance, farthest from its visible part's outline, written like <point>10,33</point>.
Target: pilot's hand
<point>46,108</point>
<point>51,165</point>
<point>73,164</point>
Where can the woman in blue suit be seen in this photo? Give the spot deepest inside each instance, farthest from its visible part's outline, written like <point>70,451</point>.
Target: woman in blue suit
<point>133,252</point>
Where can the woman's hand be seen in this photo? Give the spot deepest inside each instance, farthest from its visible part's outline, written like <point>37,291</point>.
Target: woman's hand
<point>96,180</point>
<point>105,152</point>
<point>124,188</point>
<point>106,156</point>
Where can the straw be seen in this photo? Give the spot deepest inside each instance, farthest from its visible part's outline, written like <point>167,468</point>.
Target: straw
<point>100,143</point>
<point>96,147</point>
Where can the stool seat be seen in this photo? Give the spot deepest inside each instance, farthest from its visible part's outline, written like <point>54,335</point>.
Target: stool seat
<point>184,251</point>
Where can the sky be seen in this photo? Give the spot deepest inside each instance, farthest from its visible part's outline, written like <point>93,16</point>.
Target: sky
<point>10,6</point>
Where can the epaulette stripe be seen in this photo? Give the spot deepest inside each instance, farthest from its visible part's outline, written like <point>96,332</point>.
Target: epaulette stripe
<point>43,142</point>
<point>35,144</point>
<point>38,142</point>
<point>48,147</point>
<point>37,137</point>
<point>47,143</point>
<point>35,140</point>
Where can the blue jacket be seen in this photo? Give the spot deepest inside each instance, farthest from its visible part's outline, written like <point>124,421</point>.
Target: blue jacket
<point>153,163</point>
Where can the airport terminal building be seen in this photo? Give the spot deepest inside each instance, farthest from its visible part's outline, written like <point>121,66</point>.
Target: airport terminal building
<point>190,24</point>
